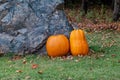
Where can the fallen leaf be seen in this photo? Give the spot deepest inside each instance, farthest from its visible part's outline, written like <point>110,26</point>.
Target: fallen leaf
<point>40,72</point>
<point>18,71</point>
<point>113,55</point>
<point>63,57</point>
<point>70,57</point>
<point>34,66</point>
<point>80,56</point>
<point>16,57</point>
<point>76,60</point>
<point>52,58</point>
<point>102,55</point>
<point>69,78</point>
<point>24,61</point>
<point>31,61</point>
<point>27,77</point>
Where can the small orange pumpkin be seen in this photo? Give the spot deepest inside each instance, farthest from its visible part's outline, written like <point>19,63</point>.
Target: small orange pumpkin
<point>78,43</point>
<point>57,45</point>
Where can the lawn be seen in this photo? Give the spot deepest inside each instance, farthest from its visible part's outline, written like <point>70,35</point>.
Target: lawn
<point>103,63</point>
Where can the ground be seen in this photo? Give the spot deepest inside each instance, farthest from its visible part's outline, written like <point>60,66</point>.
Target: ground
<point>102,63</point>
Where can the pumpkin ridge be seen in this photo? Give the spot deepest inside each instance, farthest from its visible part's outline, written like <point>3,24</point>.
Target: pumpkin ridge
<point>78,43</point>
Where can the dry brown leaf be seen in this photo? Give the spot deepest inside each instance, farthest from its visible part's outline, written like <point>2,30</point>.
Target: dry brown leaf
<point>16,57</point>
<point>34,66</point>
<point>24,61</point>
<point>113,55</point>
<point>18,71</point>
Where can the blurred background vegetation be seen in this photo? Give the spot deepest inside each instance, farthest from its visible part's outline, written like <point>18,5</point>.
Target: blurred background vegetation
<point>99,14</point>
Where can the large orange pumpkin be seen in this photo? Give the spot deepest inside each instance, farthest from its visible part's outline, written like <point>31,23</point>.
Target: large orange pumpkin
<point>78,43</point>
<point>57,45</point>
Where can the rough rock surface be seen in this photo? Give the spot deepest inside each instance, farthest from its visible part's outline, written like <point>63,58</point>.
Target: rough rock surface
<point>26,24</point>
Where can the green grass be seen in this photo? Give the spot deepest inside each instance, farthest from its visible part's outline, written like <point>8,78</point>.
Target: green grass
<point>102,64</point>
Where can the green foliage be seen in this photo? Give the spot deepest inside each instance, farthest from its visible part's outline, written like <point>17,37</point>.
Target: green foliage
<point>103,64</point>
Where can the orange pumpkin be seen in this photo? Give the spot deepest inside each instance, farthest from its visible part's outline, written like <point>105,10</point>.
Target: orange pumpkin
<point>78,43</point>
<point>57,45</point>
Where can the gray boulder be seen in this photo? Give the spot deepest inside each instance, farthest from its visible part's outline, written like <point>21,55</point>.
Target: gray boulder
<point>25,25</point>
